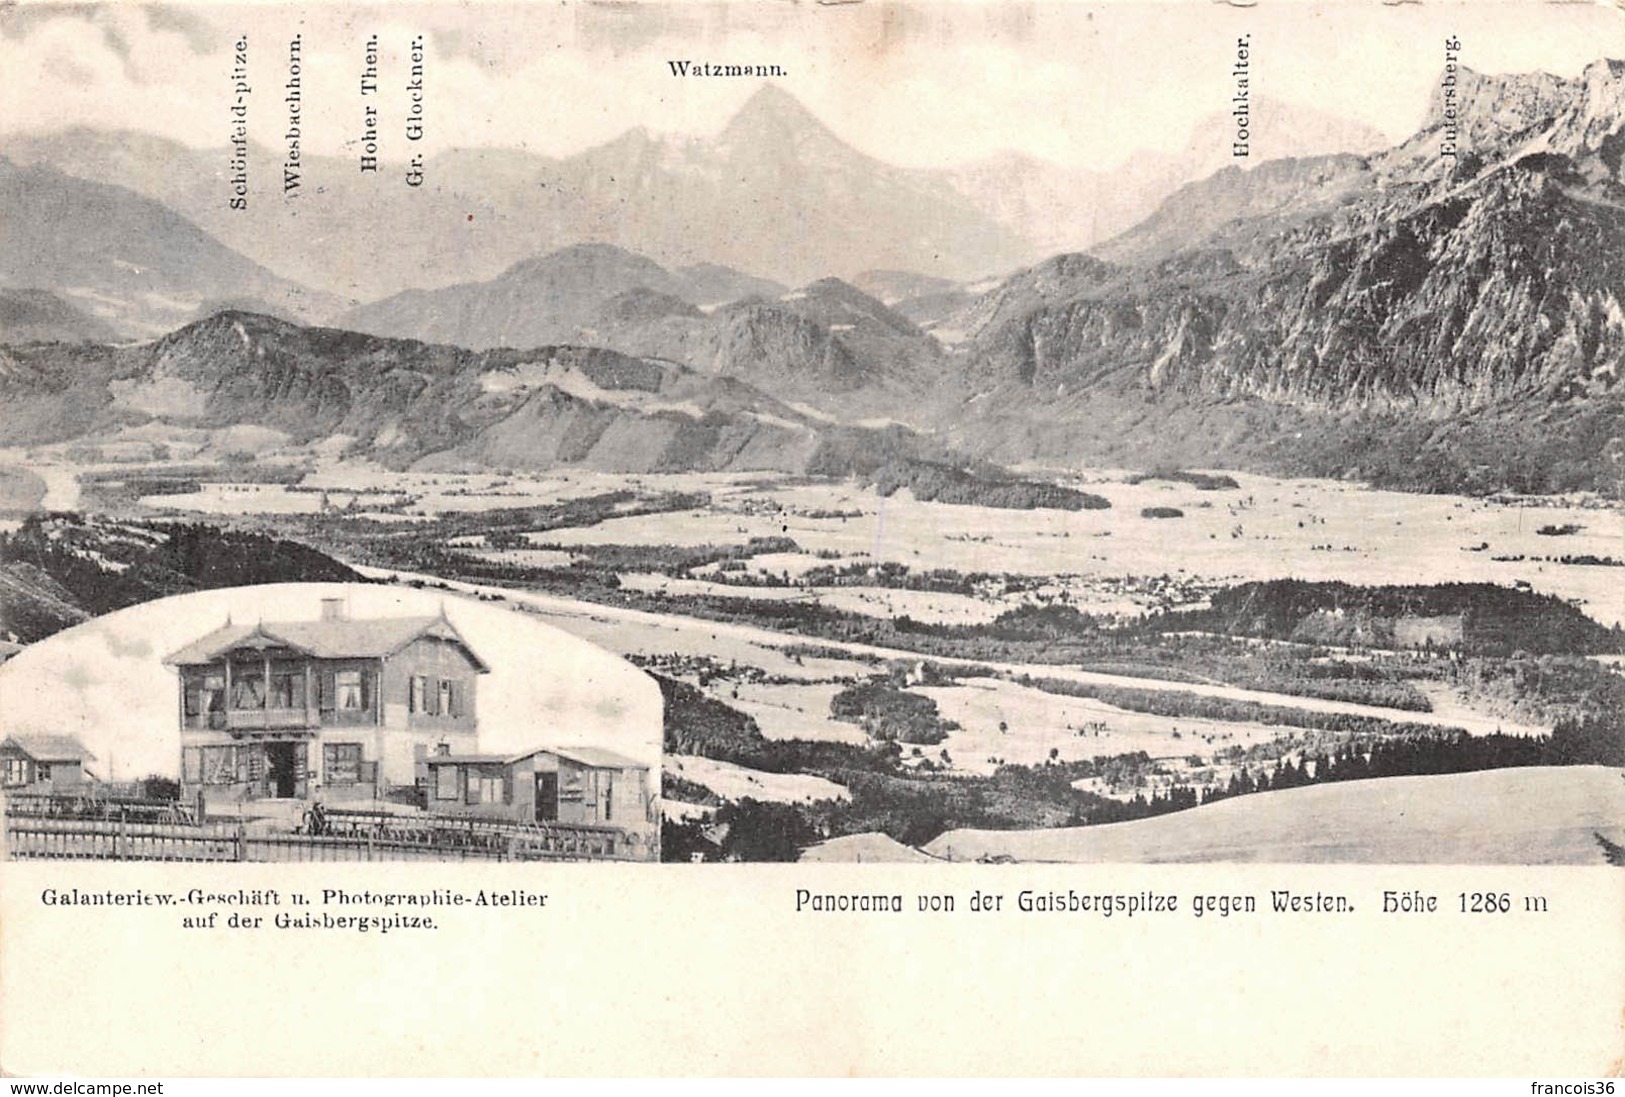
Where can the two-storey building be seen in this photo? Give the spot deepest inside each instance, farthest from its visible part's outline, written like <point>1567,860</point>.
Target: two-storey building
<point>332,709</point>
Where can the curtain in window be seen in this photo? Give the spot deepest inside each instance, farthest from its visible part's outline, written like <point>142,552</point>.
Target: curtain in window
<point>287,689</point>
<point>247,689</point>
<point>349,686</point>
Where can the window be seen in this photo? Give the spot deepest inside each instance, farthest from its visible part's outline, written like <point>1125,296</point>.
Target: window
<point>197,695</point>
<point>486,785</point>
<point>16,771</point>
<point>349,695</point>
<point>247,688</point>
<point>609,796</point>
<point>218,764</point>
<point>446,695</point>
<point>214,694</point>
<point>415,691</point>
<point>341,762</point>
<point>445,782</point>
<point>287,689</point>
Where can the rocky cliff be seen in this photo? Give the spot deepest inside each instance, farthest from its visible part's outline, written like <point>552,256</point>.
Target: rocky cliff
<point>1410,288</point>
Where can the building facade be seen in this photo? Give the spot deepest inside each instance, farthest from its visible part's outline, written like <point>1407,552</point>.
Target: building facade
<point>43,763</point>
<point>330,710</point>
<point>575,785</point>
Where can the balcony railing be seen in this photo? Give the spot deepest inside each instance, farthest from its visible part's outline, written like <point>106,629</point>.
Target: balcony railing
<point>248,719</point>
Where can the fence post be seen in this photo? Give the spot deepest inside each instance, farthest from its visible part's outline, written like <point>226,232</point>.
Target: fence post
<point>242,839</point>
<point>122,836</point>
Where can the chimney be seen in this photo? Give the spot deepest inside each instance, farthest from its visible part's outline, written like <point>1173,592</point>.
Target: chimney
<point>333,609</point>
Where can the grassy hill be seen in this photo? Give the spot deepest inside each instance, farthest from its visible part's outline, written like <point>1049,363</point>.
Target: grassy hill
<point>1538,815</point>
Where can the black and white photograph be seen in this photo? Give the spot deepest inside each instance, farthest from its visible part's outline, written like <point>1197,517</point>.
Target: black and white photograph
<point>327,722</point>
<point>1103,435</point>
<point>975,481</point>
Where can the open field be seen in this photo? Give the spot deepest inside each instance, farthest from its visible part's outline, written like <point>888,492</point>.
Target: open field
<point>1265,529</point>
<point>1104,561</point>
<point>1002,721</point>
<point>632,631</point>
<point>1452,819</point>
<point>1024,673</point>
<point>733,782</point>
<point>21,490</point>
<point>792,711</point>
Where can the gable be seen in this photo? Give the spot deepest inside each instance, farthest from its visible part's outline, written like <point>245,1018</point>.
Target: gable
<point>379,638</point>
<point>434,654</point>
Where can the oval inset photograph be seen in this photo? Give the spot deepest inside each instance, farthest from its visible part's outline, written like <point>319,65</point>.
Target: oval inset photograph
<point>324,722</point>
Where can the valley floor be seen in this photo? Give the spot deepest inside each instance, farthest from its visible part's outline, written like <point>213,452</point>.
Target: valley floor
<point>630,631</point>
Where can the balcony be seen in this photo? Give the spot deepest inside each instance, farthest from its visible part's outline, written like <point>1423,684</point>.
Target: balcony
<point>271,719</point>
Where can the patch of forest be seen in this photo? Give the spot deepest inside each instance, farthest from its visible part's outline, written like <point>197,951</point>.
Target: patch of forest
<point>62,569</point>
<point>1199,706</point>
<point>936,482</point>
<point>889,713</point>
<point>1493,620</point>
<point>1201,481</point>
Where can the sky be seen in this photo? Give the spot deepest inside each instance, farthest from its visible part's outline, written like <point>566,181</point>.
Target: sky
<point>931,84</point>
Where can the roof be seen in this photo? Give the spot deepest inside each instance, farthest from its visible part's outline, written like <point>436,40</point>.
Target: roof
<point>597,757</point>
<point>474,759</point>
<point>592,757</point>
<point>50,748</point>
<point>325,639</point>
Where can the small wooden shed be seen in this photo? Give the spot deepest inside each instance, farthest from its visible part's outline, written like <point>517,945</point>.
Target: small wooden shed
<point>43,763</point>
<point>581,785</point>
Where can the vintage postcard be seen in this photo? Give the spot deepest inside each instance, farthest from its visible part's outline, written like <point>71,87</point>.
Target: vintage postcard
<point>1109,499</point>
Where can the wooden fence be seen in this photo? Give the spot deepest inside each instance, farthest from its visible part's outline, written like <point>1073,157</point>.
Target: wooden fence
<point>528,841</point>
<point>97,803</point>
<point>401,838</point>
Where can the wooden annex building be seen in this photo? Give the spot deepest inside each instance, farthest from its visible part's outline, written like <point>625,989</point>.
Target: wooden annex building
<point>578,785</point>
<point>44,763</point>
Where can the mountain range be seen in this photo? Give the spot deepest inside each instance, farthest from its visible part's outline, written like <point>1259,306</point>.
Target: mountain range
<point>817,344</point>
<point>1469,302</point>
<point>1442,314</point>
<point>404,403</point>
<point>776,192</point>
<point>132,263</point>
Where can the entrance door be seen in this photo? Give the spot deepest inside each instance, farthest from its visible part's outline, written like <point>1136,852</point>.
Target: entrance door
<point>284,769</point>
<point>547,797</point>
